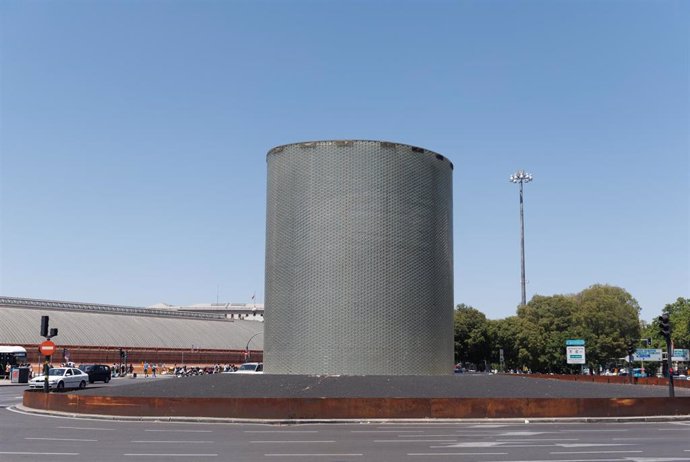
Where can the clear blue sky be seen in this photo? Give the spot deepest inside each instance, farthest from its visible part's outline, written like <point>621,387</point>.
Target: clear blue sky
<point>134,136</point>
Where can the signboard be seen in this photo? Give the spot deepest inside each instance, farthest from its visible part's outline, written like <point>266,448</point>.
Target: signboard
<point>575,354</point>
<point>680,355</point>
<point>575,342</point>
<point>47,348</point>
<point>647,354</point>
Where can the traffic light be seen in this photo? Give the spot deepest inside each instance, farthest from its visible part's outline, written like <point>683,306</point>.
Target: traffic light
<point>44,326</point>
<point>631,348</point>
<point>665,326</point>
<point>53,332</point>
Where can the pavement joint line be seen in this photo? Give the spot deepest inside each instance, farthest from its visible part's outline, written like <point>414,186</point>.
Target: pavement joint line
<point>231,420</point>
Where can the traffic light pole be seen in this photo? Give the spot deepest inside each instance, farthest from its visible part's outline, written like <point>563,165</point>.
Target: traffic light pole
<point>665,328</point>
<point>46,370</point>
<point>671,393</point>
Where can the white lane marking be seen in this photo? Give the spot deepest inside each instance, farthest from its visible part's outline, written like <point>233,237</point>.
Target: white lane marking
<point>59,439</point>
<point>593,452</point>
<point>281,431</point>
<point>588,445</point>
<point>415,441</point>
<point>313,455</point>
<point>489,426</point>
<point>599,430</point>
<point>646,438</point>
<point>87,428</point>
<point>523,433</point>
<point>180,431</point>
<point>385,431</point>
<point>430,426</point>
<point>40,453</point>
<point>479,444</point>
<point>424,454</point>
<point>294,441</point>
<point>538,440</point>
<point>173,441</point>
<point>627,459</point>
<point>191,456</point>
<point>430,436</point>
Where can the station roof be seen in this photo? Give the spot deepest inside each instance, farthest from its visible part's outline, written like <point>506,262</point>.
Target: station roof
<point>110,325</point>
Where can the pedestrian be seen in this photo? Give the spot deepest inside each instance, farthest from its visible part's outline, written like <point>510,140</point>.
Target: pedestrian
<point>153,370</point>
<point>146,370</point>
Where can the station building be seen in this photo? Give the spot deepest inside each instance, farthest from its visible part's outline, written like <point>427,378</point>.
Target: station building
<point>96,333</point>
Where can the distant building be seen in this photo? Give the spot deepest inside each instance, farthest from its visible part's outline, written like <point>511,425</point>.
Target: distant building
<point>90,332</point>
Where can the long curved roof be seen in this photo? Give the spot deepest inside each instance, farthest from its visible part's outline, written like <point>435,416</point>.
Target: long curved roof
<point>93,328</point>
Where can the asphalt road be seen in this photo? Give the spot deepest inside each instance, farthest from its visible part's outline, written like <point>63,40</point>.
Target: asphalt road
<point>28,437</point>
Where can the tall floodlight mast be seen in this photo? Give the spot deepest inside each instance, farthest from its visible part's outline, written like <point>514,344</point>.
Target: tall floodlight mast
<point>522,177</point>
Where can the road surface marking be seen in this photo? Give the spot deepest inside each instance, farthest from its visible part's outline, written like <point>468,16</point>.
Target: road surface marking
<point>281,431</point>
<point>537,440</point>
<point>191,456</point>
<point>40,453</point>
<point>385,431</point>
<point>87,428</point>
<point>424,454</point>
<point>294,441</point>
<point>593,452</point>
<point>415,441</point>
<point>173,441</point>
<point>180,431</point>
<point>59,439</point>
<point>313,455</point>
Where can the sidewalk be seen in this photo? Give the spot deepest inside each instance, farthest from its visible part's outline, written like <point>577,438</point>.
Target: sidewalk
<point>7,383</point>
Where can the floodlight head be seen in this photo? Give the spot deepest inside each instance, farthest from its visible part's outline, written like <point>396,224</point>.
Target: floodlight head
<point>521,177</point>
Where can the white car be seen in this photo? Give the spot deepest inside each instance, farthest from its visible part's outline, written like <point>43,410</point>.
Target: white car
<point>60,378</point>
<point>250,368</point>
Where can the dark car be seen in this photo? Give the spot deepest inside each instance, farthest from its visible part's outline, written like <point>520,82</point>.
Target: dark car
<point>97,372</point>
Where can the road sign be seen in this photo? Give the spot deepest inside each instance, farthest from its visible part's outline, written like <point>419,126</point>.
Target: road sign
<point>47,348</point>
<point>647,354</point>
<point>680,355</point>
<point>575,342</point>
<point>575,354</point>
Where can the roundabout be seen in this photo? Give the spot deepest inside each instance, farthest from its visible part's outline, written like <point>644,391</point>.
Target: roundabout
<point>301,397</point>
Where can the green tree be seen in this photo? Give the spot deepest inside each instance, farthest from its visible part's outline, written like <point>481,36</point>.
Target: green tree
<point>505,333</point>
<point>609,317</point>
<point>544,325</point>
<point>472,336</point>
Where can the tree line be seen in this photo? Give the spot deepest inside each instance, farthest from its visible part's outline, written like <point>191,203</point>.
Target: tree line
<point>606,317</point>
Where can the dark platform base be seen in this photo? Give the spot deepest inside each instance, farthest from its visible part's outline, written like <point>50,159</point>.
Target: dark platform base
<point>317,398</point>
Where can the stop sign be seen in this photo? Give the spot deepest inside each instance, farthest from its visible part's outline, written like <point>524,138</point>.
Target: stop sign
<point>47,348</point>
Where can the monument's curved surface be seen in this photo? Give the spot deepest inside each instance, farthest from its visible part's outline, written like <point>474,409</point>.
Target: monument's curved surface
<point>359,268</point>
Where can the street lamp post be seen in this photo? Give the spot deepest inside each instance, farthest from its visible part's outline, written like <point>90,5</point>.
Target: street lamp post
<point>246,349</point>
<point>522,177</point>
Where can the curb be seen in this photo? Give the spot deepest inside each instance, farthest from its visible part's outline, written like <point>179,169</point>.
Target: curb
<point>219,420</point>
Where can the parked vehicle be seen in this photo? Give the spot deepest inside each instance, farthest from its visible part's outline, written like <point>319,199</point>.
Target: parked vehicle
<point>97,372</point>
<point>639,372</point>
<point>250,368</point>
<point>60,378</point>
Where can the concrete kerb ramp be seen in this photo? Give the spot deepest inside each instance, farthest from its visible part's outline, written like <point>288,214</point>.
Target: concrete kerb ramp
<point>229,396</point>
